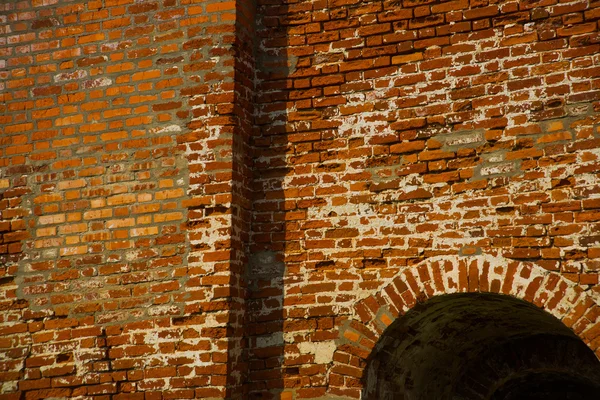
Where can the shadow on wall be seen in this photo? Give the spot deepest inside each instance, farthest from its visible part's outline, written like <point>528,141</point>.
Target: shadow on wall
<point>269,242</point>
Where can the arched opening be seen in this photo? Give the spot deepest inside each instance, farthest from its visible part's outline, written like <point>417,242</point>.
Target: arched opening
<point>480,346</point>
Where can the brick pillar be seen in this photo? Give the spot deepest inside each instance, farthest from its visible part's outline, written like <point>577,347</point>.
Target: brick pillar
<point>217,147</point>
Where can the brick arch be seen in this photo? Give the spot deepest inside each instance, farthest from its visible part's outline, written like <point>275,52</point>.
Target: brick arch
<point>548,290</point>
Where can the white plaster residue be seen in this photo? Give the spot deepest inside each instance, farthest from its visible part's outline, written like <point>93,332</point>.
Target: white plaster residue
<point>166,129</point>
<point>67,76</point>
<point>213,233</point>
<point>9,387</point>
<point>502,168</point>
<point>211,321</point>
<point>163,310</point>
<point>202,152</point>
<point>351,215</point>
<point>464,139</point>
<point>344,49</point>
<point>323,351</point>
<point>364,124</point>
<point>152,339</point>
<point>565,304</point>
<point>348,209</point>
<point>588,181</point>
<point>409,188</point>
<point>99,82</point>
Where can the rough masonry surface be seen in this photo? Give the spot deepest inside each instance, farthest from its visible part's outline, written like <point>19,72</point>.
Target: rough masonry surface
<point>234,199</point>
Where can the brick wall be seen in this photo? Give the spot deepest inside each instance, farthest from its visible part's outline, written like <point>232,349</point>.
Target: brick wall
<point>232,200</point>
<point>119,275</point>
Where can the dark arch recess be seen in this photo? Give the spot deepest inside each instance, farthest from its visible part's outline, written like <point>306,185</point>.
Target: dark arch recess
<point>480,346</point>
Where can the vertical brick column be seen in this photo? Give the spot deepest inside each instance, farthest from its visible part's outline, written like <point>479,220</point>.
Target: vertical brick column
<point>217,147</point>
<point>244,47</point>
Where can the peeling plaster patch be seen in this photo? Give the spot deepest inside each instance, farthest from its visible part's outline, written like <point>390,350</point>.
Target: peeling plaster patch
<point>155,338</point>
<point>9,386</point>
<point>433,130</point>
<point>323,351</point>
<point>460,140</point>
<point>494,165</point>
<point>99,82</point>
<point>363,125</point>
<point>578,109</point>
<point>67,76</point>
<point>498,169</point>
<point>164,310</point>
<point>211,235</point>
<point>165,129</point>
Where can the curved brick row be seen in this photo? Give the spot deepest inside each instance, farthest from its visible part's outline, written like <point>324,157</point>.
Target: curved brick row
<point>566,300</point>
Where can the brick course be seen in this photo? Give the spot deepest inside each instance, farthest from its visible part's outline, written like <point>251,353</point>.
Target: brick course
<point>233,199</point>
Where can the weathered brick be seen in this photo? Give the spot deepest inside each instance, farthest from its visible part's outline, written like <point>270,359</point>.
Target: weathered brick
<point>181,188</point>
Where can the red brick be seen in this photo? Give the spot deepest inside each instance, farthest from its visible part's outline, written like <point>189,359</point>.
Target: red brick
<point>178,187</point>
